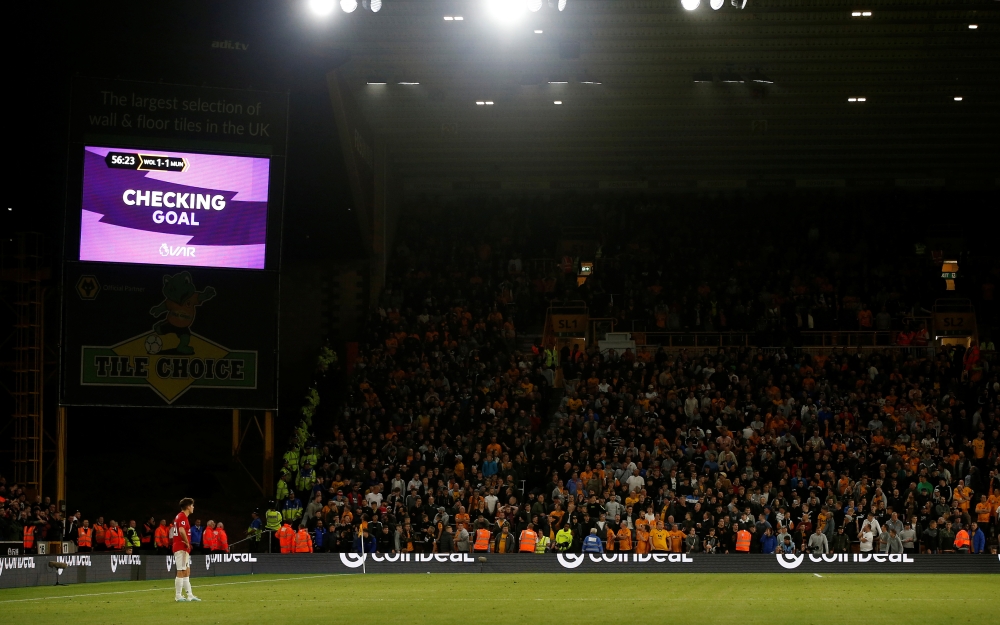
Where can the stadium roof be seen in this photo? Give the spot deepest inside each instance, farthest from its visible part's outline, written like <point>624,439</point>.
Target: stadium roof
<point>649,124</point>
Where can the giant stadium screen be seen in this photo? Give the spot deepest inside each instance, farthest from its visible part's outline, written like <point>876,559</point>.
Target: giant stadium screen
<point>173,208</point>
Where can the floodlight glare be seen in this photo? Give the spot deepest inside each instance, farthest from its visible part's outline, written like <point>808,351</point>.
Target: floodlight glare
<point>690,5</point>
<point>562,5</point>
<point>958,98</point>
<point>348,6</point>
<point>376,5</point>
<point>507,10</point>
<point>717,4</point>
<point>534,5</point>
<point>321,7</point>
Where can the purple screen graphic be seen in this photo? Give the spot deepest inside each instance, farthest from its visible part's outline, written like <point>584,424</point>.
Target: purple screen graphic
<point>212,212</point>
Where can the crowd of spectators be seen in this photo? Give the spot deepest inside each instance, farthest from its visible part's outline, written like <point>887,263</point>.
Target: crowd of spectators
<point>454,424</point>
<point>32,521</point>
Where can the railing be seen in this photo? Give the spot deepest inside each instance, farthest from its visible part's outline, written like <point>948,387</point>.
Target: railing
<point>692,339</point>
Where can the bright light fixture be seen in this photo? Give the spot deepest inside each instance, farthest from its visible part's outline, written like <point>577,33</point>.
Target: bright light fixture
<point>562,5</point>
<point>557,102</point>
<point>856,99</point>
<point>348,6</point>
<point>409,83</point>
<point>538,32</point>
<point>448,18</point>
<point>866,14</point>
<point>375,82</point>
<point>507,10</point>
<point>973,26</point>
<point>534,5</point>
<point>480,103</point>
<point>322,7</point>
<point>690,5</point>
<point>459,18</point>
<point>717,4</point>
<point>958,98</point>
<point>856,14</point>
<point>589,82</point>
<point>376,5</point>
<point>489,103</point>
<point>558,82</point>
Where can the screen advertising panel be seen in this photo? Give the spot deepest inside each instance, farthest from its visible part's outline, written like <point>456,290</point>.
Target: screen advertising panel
<point>173,208</point>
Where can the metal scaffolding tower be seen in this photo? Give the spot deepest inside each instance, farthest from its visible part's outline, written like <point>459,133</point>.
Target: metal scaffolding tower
<point>29,360</point>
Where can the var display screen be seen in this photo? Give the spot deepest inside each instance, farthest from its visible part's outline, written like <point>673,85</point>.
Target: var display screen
<point>173,208</point>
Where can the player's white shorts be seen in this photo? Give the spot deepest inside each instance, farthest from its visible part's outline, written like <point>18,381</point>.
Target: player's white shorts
<point>182,560</point>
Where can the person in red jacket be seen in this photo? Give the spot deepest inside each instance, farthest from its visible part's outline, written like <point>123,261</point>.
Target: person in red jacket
<point>208,538</point>
<point>221,539</point>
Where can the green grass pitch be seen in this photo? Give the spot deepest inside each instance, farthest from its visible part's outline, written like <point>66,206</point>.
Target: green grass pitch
<point>522,598</point>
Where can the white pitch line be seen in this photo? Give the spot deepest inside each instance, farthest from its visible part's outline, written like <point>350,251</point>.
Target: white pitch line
<point>127,592</point>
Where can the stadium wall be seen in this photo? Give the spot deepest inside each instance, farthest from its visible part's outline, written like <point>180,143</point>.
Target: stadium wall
<point>17,572</point>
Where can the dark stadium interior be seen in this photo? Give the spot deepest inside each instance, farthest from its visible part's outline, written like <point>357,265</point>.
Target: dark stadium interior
<point>763,198</point>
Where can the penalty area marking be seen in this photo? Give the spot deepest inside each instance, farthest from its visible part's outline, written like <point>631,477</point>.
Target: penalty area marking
<point>128,592</point>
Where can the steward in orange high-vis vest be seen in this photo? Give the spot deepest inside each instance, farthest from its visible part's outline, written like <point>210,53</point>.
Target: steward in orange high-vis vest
<point>29,537</point>
<point>286,538</point>
<point>221,539</point>
<point>208,537</point>
<point>114,538</point>
<point>482,540</point>
<point>528,539</point>
<point>84,537</point>
<point>743,541</point>
<point>99,530</point>
<point>962,542</point>
<point>303,541</point>
<point>161,538</point>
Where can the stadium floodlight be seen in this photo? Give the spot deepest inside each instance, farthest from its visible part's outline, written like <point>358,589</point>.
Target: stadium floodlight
<point>557,102</point>
<point>507,10</point>
<point>561,5</point>
<point>690,5</point>
<point>408,83</point>
<point>534,5</point>
<point>958,98</point>
<point>739,4</point>
<point>973,26</point>
<point>348,6</point>
<point>376,6</point>
<point>539,31</point>
<point>717,4</point>
<point>322,8</point>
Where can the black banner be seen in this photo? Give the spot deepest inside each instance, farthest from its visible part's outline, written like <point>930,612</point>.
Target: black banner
<point>207,115</point>
<point>82,568</point>
<point>150,336</point>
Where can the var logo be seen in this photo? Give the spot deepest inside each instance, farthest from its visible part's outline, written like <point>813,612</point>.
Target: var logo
<point>176,250</point>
